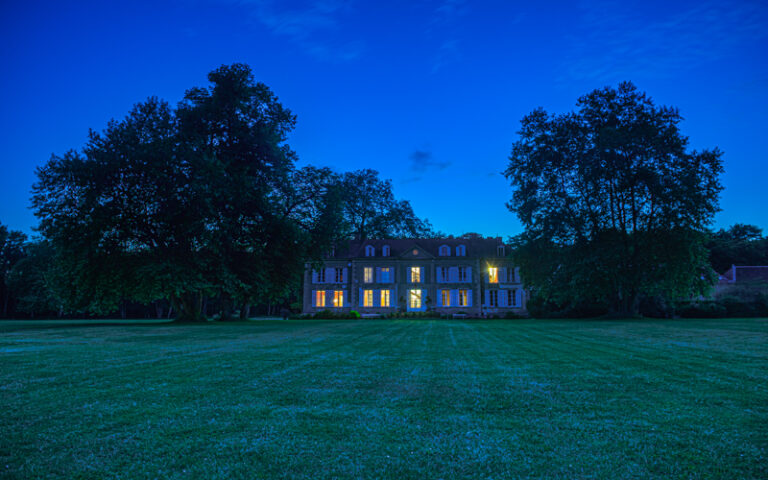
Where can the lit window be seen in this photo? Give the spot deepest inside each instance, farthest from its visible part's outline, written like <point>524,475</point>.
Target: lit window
<point>368,274</point>
<point>463,298</point>
<point>414,299</point>
<point>320,298</point>
<point>415,274</point>
<point>370,251</point>
<point>367,298</point>
<point>385,298</point>
<point>511,297</point>
<point>493,275</point>
<point>462,274</point>
<point>445,251</point>
<point>493,298</point>
<point>338,298</point>
<point>445,296</point>
<point>461,251</point>
<point>385,251</point>
<point>339,277</point>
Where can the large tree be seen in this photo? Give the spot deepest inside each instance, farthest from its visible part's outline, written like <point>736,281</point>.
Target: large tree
<point>614,203</point>
<point>180,203</point>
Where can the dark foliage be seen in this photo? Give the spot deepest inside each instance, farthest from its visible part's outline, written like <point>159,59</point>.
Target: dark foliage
<point>614,204</point>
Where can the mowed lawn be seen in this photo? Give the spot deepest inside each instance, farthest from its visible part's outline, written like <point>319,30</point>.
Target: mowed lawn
<point>386,399</point>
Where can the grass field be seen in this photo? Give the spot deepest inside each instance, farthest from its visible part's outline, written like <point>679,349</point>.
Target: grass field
<point>386,399</point>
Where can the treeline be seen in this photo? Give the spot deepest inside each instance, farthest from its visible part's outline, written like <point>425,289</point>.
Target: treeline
<point>199,209</point>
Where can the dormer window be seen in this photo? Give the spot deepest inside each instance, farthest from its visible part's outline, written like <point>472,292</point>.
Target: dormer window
<point>385,251</point>
<point>445,251</point>
<point>461,251</point>
<point>370,251</point>
<point>500,250</point>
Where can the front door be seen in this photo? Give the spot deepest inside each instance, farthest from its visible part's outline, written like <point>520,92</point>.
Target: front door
<point>415,300</point>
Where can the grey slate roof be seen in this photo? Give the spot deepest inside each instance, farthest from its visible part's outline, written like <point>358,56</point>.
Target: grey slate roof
<point>476,247</point>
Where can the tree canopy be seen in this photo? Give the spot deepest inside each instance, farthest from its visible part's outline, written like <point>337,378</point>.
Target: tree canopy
<point>372,211</point>
<point>176,203</point>
<point>740,244</point>
<point>614,203</point>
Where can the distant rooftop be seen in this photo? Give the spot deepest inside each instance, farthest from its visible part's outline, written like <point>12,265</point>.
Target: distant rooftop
<point>745,274</point>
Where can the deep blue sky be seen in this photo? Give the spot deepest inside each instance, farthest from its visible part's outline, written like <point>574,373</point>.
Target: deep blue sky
<point>383,84</point>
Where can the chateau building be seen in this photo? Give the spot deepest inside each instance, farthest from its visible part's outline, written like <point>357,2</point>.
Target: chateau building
<point>447,276</point>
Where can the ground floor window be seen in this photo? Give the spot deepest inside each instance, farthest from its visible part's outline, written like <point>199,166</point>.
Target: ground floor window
<point>385,298</point>
<point>367,298</point>
<point>414,299</point>
<point>463,298</point>
<point>338,298</point>
<point>320,298</point>
<point>493,298</point>
<point>445,297</point>
<point>511,294</point>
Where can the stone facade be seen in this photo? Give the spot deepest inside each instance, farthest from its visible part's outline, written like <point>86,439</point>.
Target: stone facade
<point>447,276</point>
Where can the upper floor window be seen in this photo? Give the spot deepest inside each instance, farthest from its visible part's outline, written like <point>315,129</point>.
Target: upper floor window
<point>370,251</point>
<point>462,274</point>
<point>415,274</point>
<point>339,275</point>
<point>510,275</point>
<point>445,251</point>
<point>461,251</point>
<point>500,251</point>
<point>493,275</point>
<point>385,275</point>
<point>368,274</point>
<point>385,251</point>
<point>444,274</point>
<point>321,276</point>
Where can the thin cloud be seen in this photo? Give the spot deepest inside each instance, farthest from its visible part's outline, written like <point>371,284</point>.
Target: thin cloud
<point>309,26</point>
<point>615,43</point>
<point>422,161</point>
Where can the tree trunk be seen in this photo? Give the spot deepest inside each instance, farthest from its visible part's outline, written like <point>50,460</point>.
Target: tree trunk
<point>159,309</point>
<point>226,308</point>
<point>626,305</point>
<point>245,309</point>
<point>6,296</point>
<point>189,308</point>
